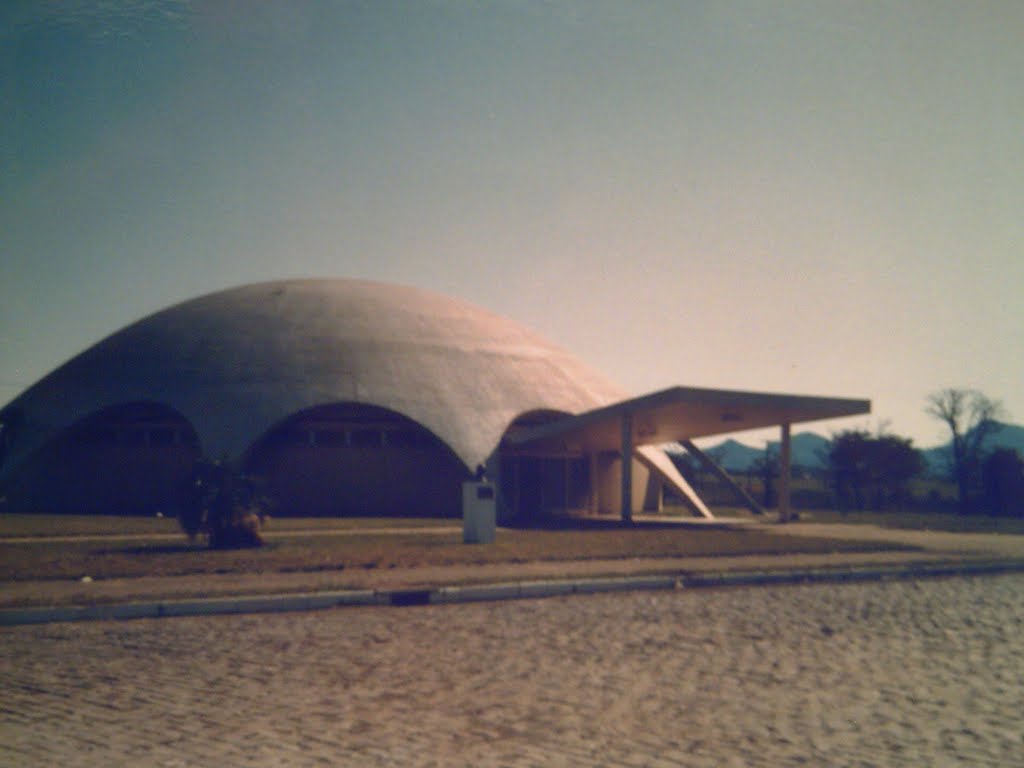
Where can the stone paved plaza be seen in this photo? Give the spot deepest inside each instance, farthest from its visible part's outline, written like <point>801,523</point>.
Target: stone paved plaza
<point>885,674</point>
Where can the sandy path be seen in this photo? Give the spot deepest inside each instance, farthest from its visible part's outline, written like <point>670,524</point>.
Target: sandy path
<point>995,544</point>
<point>879,674</point>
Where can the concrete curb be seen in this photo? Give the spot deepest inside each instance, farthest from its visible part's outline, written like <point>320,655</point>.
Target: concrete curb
<point>849,574</point>
<point>497,591</point>
<point>199,607</point>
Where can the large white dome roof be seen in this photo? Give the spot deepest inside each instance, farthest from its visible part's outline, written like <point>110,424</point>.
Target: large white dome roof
<point>237,362</point>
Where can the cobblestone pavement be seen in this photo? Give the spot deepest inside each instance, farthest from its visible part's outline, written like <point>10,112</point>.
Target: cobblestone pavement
<point>883,674</point>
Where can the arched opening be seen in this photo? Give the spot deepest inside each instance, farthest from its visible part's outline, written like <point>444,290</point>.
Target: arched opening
<point>350,459</point>
<point>540,484</point>
<point>128,459</point>
<point>10,421</point>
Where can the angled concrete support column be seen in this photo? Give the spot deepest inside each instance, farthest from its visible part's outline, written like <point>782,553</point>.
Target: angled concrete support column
<point>723,476</point>
<point>785,463</point>
<point>627,467</point>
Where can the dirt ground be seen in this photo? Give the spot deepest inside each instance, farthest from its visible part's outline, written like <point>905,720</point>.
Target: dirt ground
<point>876,674</point>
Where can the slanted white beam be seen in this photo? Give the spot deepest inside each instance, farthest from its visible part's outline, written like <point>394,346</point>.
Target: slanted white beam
<point>723,476</point>
<point>657,461</point>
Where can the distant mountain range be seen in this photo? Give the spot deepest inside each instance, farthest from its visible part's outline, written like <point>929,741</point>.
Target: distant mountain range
<point>809,450</point>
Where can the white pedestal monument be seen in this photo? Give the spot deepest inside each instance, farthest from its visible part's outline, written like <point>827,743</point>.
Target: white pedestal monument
<point>478,512</point>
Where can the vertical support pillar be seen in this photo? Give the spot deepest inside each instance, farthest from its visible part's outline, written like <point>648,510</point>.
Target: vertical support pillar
<point>627,467</point>
<point>785,462</point>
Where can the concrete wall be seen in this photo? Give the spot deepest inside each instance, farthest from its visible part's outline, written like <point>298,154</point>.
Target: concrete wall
<point>357,461</point>
<point>646,487</point>
<point>129,459</point>
<point>533,487</point>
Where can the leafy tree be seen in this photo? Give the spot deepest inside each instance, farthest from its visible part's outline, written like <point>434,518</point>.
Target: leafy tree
<point>848,467</point>
<point>767,466</point>
<point>894,462</point>
<point>876,469</point>
<point>1002,475</point>
<point>971,418</point>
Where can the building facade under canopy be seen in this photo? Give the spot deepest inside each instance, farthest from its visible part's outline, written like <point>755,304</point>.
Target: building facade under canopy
<point>357,398</point>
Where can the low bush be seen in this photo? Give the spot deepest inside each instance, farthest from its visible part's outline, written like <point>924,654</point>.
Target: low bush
<point>226,506</point>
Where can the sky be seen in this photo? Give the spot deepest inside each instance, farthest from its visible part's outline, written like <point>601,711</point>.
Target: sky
<point>802,196</point>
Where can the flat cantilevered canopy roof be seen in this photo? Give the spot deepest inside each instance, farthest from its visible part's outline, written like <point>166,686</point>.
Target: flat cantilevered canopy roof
<point>683,413</point>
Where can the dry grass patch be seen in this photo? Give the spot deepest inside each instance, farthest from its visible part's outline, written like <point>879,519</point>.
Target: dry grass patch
<point>42,526</point>
<point>111,559</point>
<point>32,526</point>
<point>922,521</point>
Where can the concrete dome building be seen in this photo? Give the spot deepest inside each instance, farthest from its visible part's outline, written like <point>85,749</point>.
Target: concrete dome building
<point>350,397</point>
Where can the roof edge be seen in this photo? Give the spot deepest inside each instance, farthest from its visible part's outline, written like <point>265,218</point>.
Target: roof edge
<point>797,409</point>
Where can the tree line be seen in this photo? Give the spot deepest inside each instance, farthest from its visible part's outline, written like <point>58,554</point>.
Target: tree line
<point>865,471</point>
<point>874,471</point>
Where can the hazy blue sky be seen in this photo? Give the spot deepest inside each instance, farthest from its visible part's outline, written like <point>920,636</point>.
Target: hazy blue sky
<point>785,196</point>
